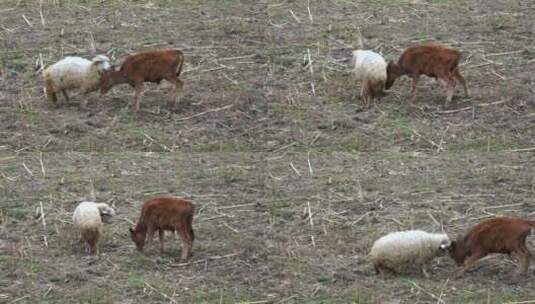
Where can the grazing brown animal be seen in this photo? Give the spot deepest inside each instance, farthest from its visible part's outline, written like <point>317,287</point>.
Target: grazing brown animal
<point>165,213</point>
<point>431,60</point>
<point>152,66</point>
<point>498,235</point>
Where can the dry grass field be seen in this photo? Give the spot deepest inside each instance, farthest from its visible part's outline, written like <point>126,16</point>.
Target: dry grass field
<point>292,178</point>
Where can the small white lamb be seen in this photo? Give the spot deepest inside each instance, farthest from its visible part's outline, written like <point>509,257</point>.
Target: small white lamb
<point>74,73</point>
<point>404,247</point>
<point>370,69</point>
<point>88,218</point>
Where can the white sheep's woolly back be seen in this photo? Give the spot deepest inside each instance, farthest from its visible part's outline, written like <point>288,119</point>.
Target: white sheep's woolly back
<point>87,216</point>
<point>368,64</point>
<point>76,72</point>
<point>401,247</point>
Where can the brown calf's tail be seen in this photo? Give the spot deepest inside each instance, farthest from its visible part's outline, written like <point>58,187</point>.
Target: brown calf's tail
<point>181,59</point>
<point>190,228</point>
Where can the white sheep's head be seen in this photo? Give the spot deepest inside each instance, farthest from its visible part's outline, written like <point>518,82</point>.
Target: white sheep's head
<point>102,62</point>
<point>444,244</point>
<point>106,212</point>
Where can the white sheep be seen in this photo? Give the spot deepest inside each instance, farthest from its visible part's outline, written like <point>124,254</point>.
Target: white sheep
<point>404,247</point>
<point>370,69</point>
<point>88,218</point>
<point>74,73</point>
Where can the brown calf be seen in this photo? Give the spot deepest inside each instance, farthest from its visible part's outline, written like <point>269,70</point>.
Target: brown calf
<point>431,60</point>
<point>144,67</point>
<point>498,235</point>
<point>165,213</point>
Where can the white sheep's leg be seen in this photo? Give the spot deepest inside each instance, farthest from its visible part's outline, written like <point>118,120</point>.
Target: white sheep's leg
<point>65,95</point>
<point>365,92</point>
<point>83,245</point>
<point>354,81</point>
<point>84,101</point>
<point>424,272</point>
<point>382,269</point>
<point>51,95</point>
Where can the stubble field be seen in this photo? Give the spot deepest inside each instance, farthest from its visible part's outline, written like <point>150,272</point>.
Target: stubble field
<point>292,178</point>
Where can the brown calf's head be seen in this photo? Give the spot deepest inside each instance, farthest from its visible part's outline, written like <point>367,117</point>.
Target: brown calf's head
<point>393,71</point>
<point>458,251</point>
<point>108,79</point>
<point>138,237</point>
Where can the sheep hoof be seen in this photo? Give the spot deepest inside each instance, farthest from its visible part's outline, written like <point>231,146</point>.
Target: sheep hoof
<point>425,274</point>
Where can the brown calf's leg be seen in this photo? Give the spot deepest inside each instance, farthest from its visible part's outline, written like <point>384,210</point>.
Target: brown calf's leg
<point>415,79</point>
<point>469,262</point>
<point>524,256</point>
<point>160,234</point>
<point>450,87</point>
<point>363,96</point>
<point>176,83</point>
<point>457,75</point>
<point>186,242</point>
<point>179,87</point>
<point>138,95</point>
<point>150,236</point>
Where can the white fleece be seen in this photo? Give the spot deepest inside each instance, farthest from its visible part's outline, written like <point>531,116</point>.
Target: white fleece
<point>76,73</point>
<point>88,215</point>
<point>368,64</point>
<point>416,246</point>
